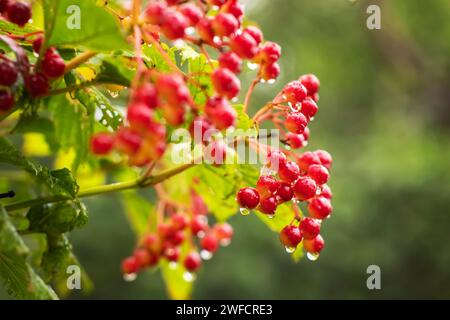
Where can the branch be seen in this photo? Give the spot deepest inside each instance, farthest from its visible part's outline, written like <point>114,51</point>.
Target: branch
<point>78,60</point>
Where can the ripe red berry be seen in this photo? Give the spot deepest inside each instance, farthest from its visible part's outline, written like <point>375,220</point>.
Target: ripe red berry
<point>235,8</point>
<point>285,192</point>
<point>205,30</point>
<point>320,208</point>
<point>8,73</point>
<point>268,205</point>
<point>289,171</point>
<point>151,242</point>
<point>37,44</point>
<point>225,24</point>
<point>305,188</point>
<point>174,25</point>
<point>290,236</point>
<point>275,159</point>
<point>226,83</point>
<point>215,153</point>
<point>255,33</point>
<point>147,94</point>
<point>176,237</point>
<point>296,141</point>
<point>325,158</point>
<point>270,71</point>
<point>172,254</point>
<point>306,134</point>
<point>130,265</point>
<point>173,89</point>
<point>143,257</point>
<point>311,82</point>
<point>53,66</point>
<point>155,12</point>
<point>306,159</point>
<point>36,84</point>
<point>220,113</point>
<point>294,92</point>
<point>244,45</point>
<point>218,3</point>
<point>295,122</point>
<point>269,53</point>
<point>248,198</point>
<point>315,245</point>
<point>326,192</point>
<point>230,61</point>
<point>192,13</point>
<point>128,141</point>
<point>309,107</point>
<point>267,186</point>
<point>6,100</point>
<point>224,232</point>
<point>102,143</point>
<point>179,221</point>
<point>139,116</point>
<point>4,6</point>
<point>210,242</point>
<point>19,13</point>
<point>192,261</point>
<point>319,173</point>
<point>199,129</point>
<point>199,223</point>
<point>310,228</point>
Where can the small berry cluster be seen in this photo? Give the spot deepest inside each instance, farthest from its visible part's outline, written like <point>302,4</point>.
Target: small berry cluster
<point>167,243</point>
<point>16,12</point>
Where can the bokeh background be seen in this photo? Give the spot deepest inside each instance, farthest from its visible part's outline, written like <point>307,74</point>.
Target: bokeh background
<point>385,117</point>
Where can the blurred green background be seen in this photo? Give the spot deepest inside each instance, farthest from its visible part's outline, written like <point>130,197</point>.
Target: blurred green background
<point>385,117</point>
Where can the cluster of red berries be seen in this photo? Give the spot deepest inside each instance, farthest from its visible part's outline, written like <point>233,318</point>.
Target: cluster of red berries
<point>15,11</point>
<point>168,240</point>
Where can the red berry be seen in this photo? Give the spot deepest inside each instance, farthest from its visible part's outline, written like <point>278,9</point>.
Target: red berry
<point>305,188</point>
<point>226,83</point>
<point>139,116</point>
<point>199,129</point>
<point>8,73</point>
<point>173,89</point>
<point>244,45</point>
<point>6,100</point>
<point>37,44</point>
<point>270,71</point>
<point>218,3</point>
<point>220,113</point>
<point>255,33</point>
<point>36,85</point>
<point>179,221</point>
<point>310,228</point>
<point>309,107</point>
<point>325,158</point>
<point>19,13</point>
<point>53,66</point>
<point>319,173</point>
<point>289,171</point>
<point>216,153</point>
<point>306,159</point>
<point>311,82</point>
<point>199,224</point>
<point>174,25</point>
<point>248,198</point>
<point>306,133</point>
<point>290,236</point>
<point>145,258</point>
<point>176,237</point>
<point>128,141</point>
<point>4,4</point>
<point>285,192</point>
<point>294,92</point>
<point>192,13</point>
<point>102,143</point>
<point>155,12</point>
<point>205,30</point>
<point>151,242</point>
<point>275,159</point>
<point>224,232</point>
<point>320,208</point>
<point>267,186</point>
<point>225,24</point>
<point>326,192</point>
<point>231,61</point>
<point>235,8</point>
<point>295,122</point>
<point>146,94</point>
<point>314,245</point>
<point>192,261</point>
<point>296,141</point>
<point>172,254</point>
<point>210,242</point>
<point>269,53</point>
<point>130,265</point>
<point>268,205</point>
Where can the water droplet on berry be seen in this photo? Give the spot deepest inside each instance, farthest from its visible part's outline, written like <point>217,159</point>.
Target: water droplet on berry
<point>225,242</point>
<point>263,81</point>
<point>290,249</point>
<point>271,81</point>
<point>205,255</point>
<point>190,30</point>
<point>129,277</point>
<point>200,234</point>
<point>252,66</point>
<point>244,211</point>
<point>234,100</point>
<point>188,276</point>
<point>173,265</point>
<point>312,256</point>
<point>270,216</point>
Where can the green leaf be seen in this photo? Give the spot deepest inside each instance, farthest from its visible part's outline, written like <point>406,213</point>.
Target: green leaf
<point>114,70</point>
<point>81,23</point>
<point>298,253</point>
<point>19,278</point>
<point>283,217</point>
<point>138,210</point>
<point>202,88</point>
<point>243,120</point>
<point>156,60</point>
<point>59,182</point>
<point>37,124</point>
<point>177,287</point>
<point>8,28</point>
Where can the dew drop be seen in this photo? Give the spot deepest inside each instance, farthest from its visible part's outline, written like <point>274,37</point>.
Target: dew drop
<point>190,31</point>
<point>271,81</point>
<point>270,216</point>
<point>200,234</point>
<point>129,277</point>
<point>312,256</point>
<point>263,81</point>
<point>244,211</point>
<point>188,276</point>
<point>252,66</point>
<point>205,255</point>
<point>290,249</point>
<point>234,100</point>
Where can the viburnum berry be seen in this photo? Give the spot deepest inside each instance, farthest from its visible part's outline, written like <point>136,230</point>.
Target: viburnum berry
<point>6,100</point>
<point>309,107</point>
<point>172,254</point>
<point>174,25</point>
<point>248,198</point>
<point>270,71</point>
<point>130,265</point>
<point>205,30</point>
<point>294,92</point>
<point>216,153</point>
<point>305,188</point>
<point>295,122</point>
<point>326,192</point>
<point>244,45</point>
<point>290,236</point>
<point>176,237</point>
<point>325,158</point>
<point>267,186</point>
<point>8,73</point>
<point>37,44</point>
<point>143,257</point>
<point>218,3</point>
<point>146,94</point>
<point>18,13</point>
<point>269,53</point>
<point>4,5</point>
<point>230,61</point>
<point>275,159</point>
<point>199,224</point>
<point>139,116</point>
<point>285,192</point>
<point>179,221</point>
<point>225,24</point>
<point>128,141</point>
<point>224,233</point>
<point>53,66</point>
<point>306,133</point>
<point>268,206</point>
<point>295,141</point>
<point>311,82</point>
<point>198,129</point>
<point>306,159</point>
<point>320,208</point>
<point>235,8</point>
<point>220,113</point>
<point>192,13</point>
<point>318,173</point>
<point>192,261</point>
<point>151,242</point>
<point>315,245</point>
<point>310,228</point>
<point>226,83</point>
<point>36,84</point>
<point>102,143</point>
<point>155,12</point>
<point>255,32</point>
<point>289,171</point>
<point>210,242</point>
